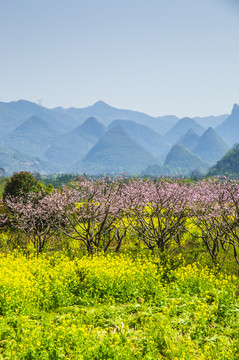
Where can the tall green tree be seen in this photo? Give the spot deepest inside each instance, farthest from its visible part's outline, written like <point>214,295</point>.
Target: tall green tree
<point>20,184</point>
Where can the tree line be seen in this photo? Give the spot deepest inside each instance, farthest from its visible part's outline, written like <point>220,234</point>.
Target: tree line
<point>105,213</point>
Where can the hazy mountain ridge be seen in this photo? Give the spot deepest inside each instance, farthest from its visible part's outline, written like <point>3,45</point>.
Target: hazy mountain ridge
<point>106,114</point>
<point>9,119</point>
<point>64,137</point>
<point>211,121</point>
<point>229,129</point>
<point>21,110</point>
<point>14,161</point>
<point>181,128</point>
<point>69,148</point>
<point>151,140</point>
<point>34,134</point>
<point>93,128</point>
<point>210,146</point>
<point>115,152</point>
<point>182,160</point>
<point>189,140</point>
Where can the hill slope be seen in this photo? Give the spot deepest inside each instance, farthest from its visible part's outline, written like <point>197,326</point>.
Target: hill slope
<point>115,152</point>
<point>21,110</point>
<point>31,137</point>
<point>181,128</point>
<point>145,136</point>
<point>14,161</point>
<point>211,121</point>
<point>189,140</point>
<point>210,146</point>
<point>9,119</point>
<point>93,128</point>
<point>181,160</point>
<point>69,148</point>
<point>229,129</point>
<point>228,165</point>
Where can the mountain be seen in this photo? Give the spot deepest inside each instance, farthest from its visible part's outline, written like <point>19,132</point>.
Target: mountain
<point>165,123</point>
<point>210,147</point>
<point>115,152</point>
<point>14,161</point>
<point>211,121</point>
<point>33,136</point>
<point>106,114</point>
<point>181,128</point>
<point>229,129</point>
<point>18,111</point>
<point>181,160</point>
<point>73,146</point>
<point>67,149</point>
<point>9,119</point>
<point>151,140</point>
<point>189,140</point>
<point>65,137</point>
<point>228,165</point>
<point>93,128</point>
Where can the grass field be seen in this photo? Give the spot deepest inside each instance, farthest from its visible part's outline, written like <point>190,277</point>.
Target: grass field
<point>115,307</point>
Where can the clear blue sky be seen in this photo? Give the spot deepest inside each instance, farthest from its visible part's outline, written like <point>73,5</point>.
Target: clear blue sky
<point>157,56</point>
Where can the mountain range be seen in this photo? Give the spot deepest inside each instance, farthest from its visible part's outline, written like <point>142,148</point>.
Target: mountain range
<point>101,138</point>
<point>106,114</point>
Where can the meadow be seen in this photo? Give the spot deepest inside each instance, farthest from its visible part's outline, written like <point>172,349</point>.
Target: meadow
<point>121,269</point>
<point>115,307</point>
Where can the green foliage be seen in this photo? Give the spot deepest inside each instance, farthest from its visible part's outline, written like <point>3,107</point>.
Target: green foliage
<point>157,170</point>
<point>58,180</point>
<point>21,184</point>
<point>228,165</point>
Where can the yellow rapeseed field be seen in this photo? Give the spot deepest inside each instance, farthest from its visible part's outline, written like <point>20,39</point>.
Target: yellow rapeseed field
<point>115,307</point>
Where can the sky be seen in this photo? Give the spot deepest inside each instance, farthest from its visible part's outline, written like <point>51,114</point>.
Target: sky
<point>160,57</point>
